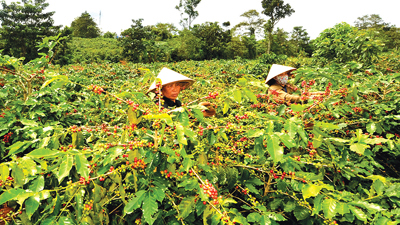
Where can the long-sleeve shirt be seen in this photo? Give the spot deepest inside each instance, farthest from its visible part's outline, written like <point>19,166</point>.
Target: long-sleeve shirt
<point>280,95</point>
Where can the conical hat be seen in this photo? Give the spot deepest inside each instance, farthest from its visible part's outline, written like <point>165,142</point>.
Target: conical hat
<point>168,76</point>
<point>277,70</point>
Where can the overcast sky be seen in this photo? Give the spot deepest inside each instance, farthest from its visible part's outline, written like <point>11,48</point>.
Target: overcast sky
<point>314,15</point>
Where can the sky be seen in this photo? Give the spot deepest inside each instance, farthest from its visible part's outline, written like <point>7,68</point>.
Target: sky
<point>314,15</point>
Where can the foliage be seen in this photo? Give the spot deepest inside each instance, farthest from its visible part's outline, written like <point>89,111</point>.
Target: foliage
<point>213,39</point>
<point>370,21</point>
<point>24,24</point>
<point>188,7</point>
<point>85,27</point>
<point>300,40</point>
<point>275,10</point>
<point>88,146</point>
<point>109,34</point>
<point>344,43</point>
<point>254,23</point>
<point>88,50</point>
<point>132,41</point>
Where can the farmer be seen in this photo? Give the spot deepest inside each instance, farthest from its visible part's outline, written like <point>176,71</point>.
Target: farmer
<point>172,84</point>
<point>279,88</point>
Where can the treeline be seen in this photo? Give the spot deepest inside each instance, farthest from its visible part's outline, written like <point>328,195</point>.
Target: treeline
<point>252,38</point>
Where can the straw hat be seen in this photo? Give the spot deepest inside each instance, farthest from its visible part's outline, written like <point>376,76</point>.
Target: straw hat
<point>168,76</point>
<point>277,70</point>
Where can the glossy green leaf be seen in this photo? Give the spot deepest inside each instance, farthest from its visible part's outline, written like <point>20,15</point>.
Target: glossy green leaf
<point>181,134</point>
<point>31,205</point>
<point>274,149</point>
<point>358,213</point>
<point>37,184</point>
<point>301,213</point>
<point>135,202</point>
<point>311,190</point>
<point>329,207</point>
<point>251,95</point>
<point>237,95</point>
<point>10,194</point>
<point>149,208</point>
<point>359,148</point>
<point>65,167</point>
<point>82,164</point>
<point>42,152</point>
<point>186,207</point>
<point>4,172</point>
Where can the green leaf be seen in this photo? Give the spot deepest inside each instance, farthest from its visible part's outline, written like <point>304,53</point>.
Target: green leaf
<point>342,208</point>
<point>301,213</point>
<point>359,148</point>
<point>254,133</point>
<point>181,134</point>
<point>358,213</point>
<point>31,205</point>
<point>251,95</point>
<point>274,149</point>
<point>149,207</point>
<point>253,217</point>
<point>328,126</point>
<point>81,165</point>
<point>135,202</point>
<point>42,152</point>
<point>10,194</point>
<point>4,172</point>
<point>65,167</point>
<point>27,122</point>
<point>18,147</point>
<point>291,128</point>
<point>186,207</point>
<point>373,208</point>
<point>311,190</point>
<point>298,107</point>
<point>77,139</point>
<point>37,184</point>
<point>226,107</point>
<point>329,207</point>
<point>371,128</point>
<point>237,95</point>
<point>132,118</point>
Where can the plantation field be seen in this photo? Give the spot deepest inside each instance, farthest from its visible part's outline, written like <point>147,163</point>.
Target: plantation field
<point>84,144</point>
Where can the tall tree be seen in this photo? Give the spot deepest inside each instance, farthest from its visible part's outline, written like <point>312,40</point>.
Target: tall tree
<point>370,21</point>
<point>188,7</point>
<point>253,24</point>
<point>275,10</point>
<point>133,41</point>
<point>24,25</point>
<point>85,27</point>
<point>300,40</point>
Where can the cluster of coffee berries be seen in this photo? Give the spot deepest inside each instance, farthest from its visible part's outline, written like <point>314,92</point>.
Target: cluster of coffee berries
<point>245,116</point>
<point>212,95</point>
<point>2,115</point>
<point>6,137</point>
<point>131,103</point>
<point>138,164</point>
<point>210,191</point>
<point>357,109</point>
<point>75,129</point>
<point>82,180</point>
<point>96,89</point>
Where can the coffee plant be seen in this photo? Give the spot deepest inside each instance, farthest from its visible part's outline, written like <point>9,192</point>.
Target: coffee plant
<point>84,144</point>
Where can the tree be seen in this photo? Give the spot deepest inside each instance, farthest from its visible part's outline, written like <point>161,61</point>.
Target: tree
<point>133,40</point>
<point>24,26</point>
<point>300,40</point>
<point>275,10</point>
<point>188,7</point>
<point>85,27</point>
<point>253,24</point>
<point>370,21</point>
<point>214,39</point>
<point>163,31</point>
<point>109,34</point>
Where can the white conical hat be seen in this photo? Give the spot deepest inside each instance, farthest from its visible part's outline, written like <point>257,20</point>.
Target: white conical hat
<point>276,70</point>
<point>168,76</point>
